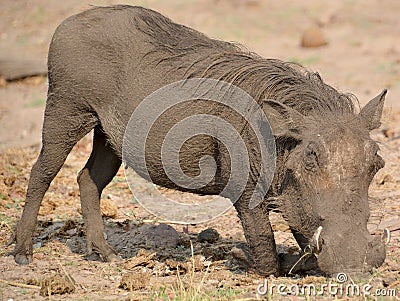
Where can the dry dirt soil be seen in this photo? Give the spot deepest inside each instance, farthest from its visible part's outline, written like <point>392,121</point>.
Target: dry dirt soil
<point>173,262</point>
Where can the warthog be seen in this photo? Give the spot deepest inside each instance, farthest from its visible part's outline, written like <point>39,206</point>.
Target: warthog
<point>103,62</point>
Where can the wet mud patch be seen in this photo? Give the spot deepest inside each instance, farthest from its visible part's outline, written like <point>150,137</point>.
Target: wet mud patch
<point>149,245</point>
<point>143,242</point>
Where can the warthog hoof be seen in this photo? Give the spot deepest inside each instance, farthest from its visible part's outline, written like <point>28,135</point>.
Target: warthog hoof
<point>113,258</point>
<point>107,255</point>
<point>23,259</point>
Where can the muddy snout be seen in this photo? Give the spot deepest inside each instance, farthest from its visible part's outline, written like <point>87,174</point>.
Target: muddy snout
<point>376,250</point>
<point>357,253</point>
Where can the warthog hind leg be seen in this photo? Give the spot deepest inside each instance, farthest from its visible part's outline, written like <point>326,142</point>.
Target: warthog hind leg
<point>99,170</point>
<point>58,140</point>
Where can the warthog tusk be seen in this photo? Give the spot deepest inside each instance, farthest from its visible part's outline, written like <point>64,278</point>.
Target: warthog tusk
<point>315,238</point>
<point>305,255</point>
<point>312,249</point>
<point>386,236</point>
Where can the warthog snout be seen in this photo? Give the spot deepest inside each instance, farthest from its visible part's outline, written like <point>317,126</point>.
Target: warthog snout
<point>350,253</point>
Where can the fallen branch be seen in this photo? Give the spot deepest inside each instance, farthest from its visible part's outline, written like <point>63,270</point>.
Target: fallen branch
<point>15,68</point>
<point>19,284</point>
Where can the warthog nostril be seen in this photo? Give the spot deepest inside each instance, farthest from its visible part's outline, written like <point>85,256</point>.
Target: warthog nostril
<point>379,241</point>
<point>376,239</point>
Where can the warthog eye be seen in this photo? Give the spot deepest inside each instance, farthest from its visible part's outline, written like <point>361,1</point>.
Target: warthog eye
<point>311,156</point>
<point>377,164</point>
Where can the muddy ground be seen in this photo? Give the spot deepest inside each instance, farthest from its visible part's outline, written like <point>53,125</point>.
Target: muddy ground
<point>172,262</point>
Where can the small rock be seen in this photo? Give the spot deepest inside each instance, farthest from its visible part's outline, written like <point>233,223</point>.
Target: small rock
<point>313,37</point>
<point>209,235</point>
<point>108,209</point>
<point>385,179</point>
<point>71,232</point>
<point>161,236</point>
<point>240,255</point>
<point>184,240</point>
<point>37,245</point>
<point>388,133</point>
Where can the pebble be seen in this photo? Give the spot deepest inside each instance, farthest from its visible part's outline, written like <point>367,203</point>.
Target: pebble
<point>108,209</point>
<point>162,235</point>
<point>239,254</point>
<point>313,37</point>
<point>184,240</point>
<point>209,235</point>
<point>389,133</point>
<point>385,179</point>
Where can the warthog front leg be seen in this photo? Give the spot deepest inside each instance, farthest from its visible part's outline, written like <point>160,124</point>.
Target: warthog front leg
<point>260,237</point>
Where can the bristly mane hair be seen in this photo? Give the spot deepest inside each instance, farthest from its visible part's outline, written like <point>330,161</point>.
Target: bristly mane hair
<point>200,56</point>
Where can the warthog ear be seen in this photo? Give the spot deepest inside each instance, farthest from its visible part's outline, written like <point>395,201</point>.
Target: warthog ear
<point>372,112</point>
<point>284,121</point>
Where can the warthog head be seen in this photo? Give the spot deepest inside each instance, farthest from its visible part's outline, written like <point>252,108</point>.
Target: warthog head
<point>326,176</point>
